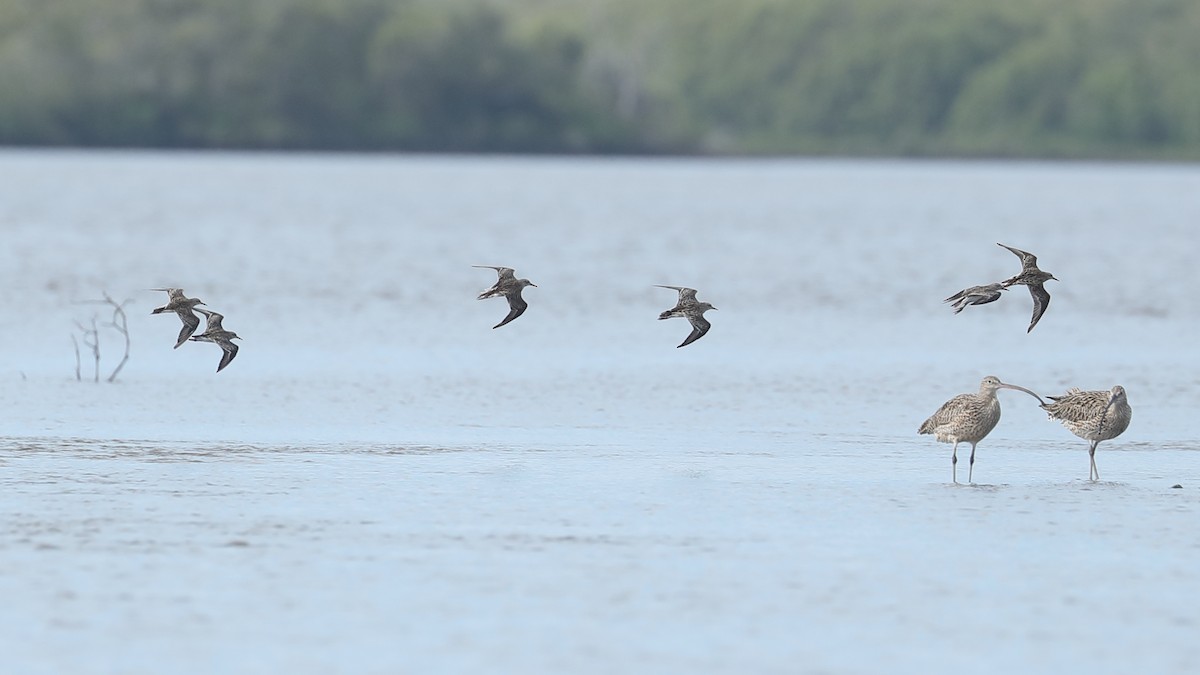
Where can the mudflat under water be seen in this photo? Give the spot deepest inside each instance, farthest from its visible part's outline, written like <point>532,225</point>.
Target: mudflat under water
<point>381,483</point>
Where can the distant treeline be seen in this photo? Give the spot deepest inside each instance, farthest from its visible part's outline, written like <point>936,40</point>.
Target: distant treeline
<point>1062,78</point>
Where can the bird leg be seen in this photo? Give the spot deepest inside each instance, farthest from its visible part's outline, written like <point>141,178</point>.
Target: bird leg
<point>971,470</point>
<point>954,462</point>
<point>1093,471</point>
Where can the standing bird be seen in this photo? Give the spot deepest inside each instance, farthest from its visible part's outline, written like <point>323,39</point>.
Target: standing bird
<point>1093,416</point>
<point>510,287</point>
<point>1035,279</point>
<point>182,306</point>
<point>213,332</point>
<point>691,309</point>
<point>975,295</point>
<point>969,418</point>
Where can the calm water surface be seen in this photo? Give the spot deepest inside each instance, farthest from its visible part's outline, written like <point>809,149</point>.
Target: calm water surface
<point>380,482</point>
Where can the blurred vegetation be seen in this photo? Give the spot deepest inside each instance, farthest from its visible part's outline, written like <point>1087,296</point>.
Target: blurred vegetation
<point>1067,78</point>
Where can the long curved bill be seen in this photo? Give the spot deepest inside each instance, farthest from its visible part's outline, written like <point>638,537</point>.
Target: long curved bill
<point>1016,388</point>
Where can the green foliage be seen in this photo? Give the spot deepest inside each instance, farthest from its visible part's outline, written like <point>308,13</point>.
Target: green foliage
<point>1072,78</point>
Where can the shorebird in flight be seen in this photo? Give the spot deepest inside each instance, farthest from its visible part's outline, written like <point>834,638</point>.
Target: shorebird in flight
<point>509,286</point>
<point>182,306</point>
<point>1093,416</point>
<point>969,418</point>
<point>215,333</point>
<point>1035,279</point>
<point>691,309</point>
<point>975,295</point>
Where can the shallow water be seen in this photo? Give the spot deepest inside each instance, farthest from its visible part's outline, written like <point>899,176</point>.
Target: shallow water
<point>380,482</point>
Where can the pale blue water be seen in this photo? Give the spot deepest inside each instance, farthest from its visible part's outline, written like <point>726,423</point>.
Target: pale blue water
<point>380,482</point>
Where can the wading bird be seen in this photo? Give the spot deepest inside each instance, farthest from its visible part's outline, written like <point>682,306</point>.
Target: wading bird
<point>213,332</point>
<point>1093,416</point>
<point>509,286</point>
<point>691,309</point>
<point>969,418</point>
<point>1035,279</point>
<point>182,306</point>
<point>975,295</point>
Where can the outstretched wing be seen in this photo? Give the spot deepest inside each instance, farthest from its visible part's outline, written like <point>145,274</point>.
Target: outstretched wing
<point>517,307</point>
<point>190,323</point>
<point>502,272</point>
<point>214,320</point>
<point>229,350</point>
<point>700,326</point>
<point>1041,300</point>
<point>1028,260</point>
<point>686,295</point>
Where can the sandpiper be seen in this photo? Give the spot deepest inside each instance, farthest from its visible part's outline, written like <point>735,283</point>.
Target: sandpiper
<point>213,332</point>
<point>1035,279</point>
<point>691,309</point>
<point>182,306</point>
<point>975,295</point>
<point>509,286</point>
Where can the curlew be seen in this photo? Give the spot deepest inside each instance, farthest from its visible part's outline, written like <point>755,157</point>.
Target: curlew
<point>969,418</point>
<point>975,295</point>
<point>1035,279</point>
<point>182,306</point>
<point>1093,416</point>
<point>691,309</point>
<point>509,286</point>
<point>215,333</point>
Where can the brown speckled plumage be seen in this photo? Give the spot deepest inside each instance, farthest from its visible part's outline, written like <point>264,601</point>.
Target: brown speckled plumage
<point>1093,416</point>
<point>509,286</point>
<point>968,418</point>
<point>691,309</point>
<point>1035,279</point>
<point>216,334</point>
<point>182,306</point>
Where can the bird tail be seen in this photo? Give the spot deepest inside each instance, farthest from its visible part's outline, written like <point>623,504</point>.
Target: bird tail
<point>158,310</point>
<point>669,314</point>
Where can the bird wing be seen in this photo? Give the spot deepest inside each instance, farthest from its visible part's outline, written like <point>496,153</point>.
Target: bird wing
<point>190,323</point>
<point>1041,300</point>
<point>229,350</point>
<point>700,326</point>
<point>517,307</point>
<point>214,320</point>
<point>1028,260</point>
<point>949,410</point>
<point>1077,406</point>
<point>501,272</point>
<point>686,295</point>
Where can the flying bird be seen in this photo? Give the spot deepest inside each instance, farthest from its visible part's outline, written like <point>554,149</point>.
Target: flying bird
<point>509,286</point>
<point>969,418</point>
<point>691,309</point>
<point>1093,416</point>
<point>215,333</point>
<point>975,295</point>
<point>182,306</point>
<point>1035,279</point>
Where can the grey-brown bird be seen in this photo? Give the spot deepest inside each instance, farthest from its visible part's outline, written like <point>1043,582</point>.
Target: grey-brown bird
<point>1034,278</point>
<point>509,286</point>
<point>215,333</point>
<point>1093,416</point>
<point>975,295</point>
<point>969,418</point>
<point>182,306</point>
<point>691,309</point>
